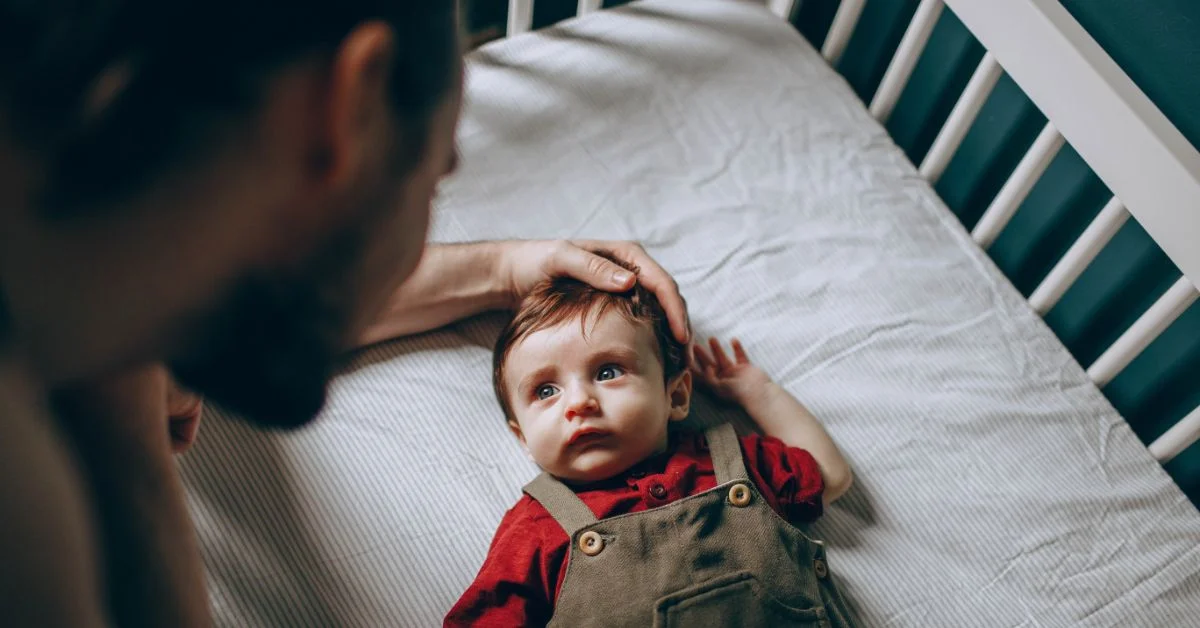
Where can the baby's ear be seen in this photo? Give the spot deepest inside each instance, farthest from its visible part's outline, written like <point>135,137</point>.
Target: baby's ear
<point>679,392</point>
<point>515,428</point>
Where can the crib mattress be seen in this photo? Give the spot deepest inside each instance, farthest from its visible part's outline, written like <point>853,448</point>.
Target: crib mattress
<point>995,485</point>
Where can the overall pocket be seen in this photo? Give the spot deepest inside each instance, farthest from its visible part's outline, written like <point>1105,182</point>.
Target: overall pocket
<point>737,599</point>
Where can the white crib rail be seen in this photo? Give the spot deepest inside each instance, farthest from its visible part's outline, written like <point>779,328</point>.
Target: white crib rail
<point>900,69</point>
<point>587,6</point>
<point>1109,121</point>
<point>1014,191</point>
<point>1102,228</point>
<point>1175,440</point>
<point>1143,331</point>
<point>520,16</point>
<point>961,117</point>
<point>842,28</point>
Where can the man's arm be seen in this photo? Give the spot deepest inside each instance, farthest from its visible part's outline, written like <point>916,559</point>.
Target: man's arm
<point>454,281</point>
<point>152,565</point>
<point>776,412</point>
<point>49,576</point>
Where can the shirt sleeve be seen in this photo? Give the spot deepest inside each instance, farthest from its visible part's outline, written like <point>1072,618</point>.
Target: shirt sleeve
<point>515,585</point>
<point>790,474</point>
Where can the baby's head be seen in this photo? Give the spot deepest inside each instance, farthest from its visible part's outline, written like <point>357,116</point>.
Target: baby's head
<point>589,380</point>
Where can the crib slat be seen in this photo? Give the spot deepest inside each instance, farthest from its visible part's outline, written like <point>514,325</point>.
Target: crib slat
<point>961,117</point>
<point>1019,183</point>
<point>782,8</point>
<point>1103,227</point>
<point>1143,331</point>
<point>520,16</point>
<point>587,6</point>
<point>1175,440</point>
<point>905,59</point>
<point>840,31</point>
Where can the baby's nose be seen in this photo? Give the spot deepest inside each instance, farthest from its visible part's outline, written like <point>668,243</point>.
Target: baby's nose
<point>585,405</point>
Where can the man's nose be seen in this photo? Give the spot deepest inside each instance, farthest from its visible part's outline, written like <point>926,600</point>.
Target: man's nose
<point>582,404</point>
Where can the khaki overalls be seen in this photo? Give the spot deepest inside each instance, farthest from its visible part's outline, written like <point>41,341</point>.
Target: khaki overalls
<point>718,558</point>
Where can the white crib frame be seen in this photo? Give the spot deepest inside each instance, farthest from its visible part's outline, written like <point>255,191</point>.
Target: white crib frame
<point>1151,169</point>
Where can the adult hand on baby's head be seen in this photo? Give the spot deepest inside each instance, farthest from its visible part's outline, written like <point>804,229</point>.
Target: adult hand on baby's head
<point>732,380</point>
<point>530,262</point>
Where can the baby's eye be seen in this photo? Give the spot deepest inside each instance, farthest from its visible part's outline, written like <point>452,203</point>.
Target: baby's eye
<point>611,371</point>
<point>545,391</point>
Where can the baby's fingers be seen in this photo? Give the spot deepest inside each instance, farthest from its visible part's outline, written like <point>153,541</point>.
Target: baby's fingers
<point>739,352</point>
<point>722,360</point>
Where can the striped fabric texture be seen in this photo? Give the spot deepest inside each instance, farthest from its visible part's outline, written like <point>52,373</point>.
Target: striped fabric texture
<point>995,485</point>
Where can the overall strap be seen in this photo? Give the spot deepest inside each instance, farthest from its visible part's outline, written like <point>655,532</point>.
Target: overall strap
<point>563,504</point>
<point>726,453</point>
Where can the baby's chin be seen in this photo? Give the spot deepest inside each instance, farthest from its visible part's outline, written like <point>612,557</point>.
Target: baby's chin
<point>595,465</point>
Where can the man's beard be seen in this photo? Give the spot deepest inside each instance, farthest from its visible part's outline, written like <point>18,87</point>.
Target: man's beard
<point>269,352</point>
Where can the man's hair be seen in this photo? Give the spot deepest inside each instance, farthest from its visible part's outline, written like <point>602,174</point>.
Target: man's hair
<point>111,94</point>
<point>556,301</point>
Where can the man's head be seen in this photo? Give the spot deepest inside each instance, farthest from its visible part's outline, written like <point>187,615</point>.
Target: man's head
<point>233,186</point>
<point>589,380</point>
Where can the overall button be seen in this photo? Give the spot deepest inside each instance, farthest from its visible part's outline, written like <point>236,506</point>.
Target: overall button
<point>591,543</point>
<point>739,495</point>
<point>658,491</point>
<point>821,568</point>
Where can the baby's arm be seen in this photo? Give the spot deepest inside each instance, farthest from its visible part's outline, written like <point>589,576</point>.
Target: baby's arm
<point>776,412</point>
<point>513,587</point>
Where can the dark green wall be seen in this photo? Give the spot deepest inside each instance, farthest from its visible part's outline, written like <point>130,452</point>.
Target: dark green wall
<point>1157,42</point>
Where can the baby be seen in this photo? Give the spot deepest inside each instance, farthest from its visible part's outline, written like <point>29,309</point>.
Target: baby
<point>635,524</point>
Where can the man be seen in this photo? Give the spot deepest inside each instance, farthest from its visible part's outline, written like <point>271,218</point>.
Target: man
<point>237,189</point>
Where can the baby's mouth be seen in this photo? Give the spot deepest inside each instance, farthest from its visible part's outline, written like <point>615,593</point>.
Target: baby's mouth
<point>587,437</point>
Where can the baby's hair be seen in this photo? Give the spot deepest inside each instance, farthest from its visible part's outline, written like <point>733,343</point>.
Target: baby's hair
<point>555,301</point>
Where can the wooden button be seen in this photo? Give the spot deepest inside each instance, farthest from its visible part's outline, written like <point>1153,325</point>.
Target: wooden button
<point>591,543</point>
<point>821,568</point>
<point>739,495</point>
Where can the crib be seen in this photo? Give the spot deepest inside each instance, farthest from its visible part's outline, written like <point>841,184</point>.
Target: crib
<point>996,486</point>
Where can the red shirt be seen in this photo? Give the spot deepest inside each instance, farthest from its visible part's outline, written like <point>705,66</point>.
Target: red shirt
<point>523,573</point>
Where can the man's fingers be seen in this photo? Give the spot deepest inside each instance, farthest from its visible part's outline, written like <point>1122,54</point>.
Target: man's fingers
<point>739,352</point>
<point>658,281</point>
<point>183,432</point>
<point>654,278</point>
<point>585,266</point>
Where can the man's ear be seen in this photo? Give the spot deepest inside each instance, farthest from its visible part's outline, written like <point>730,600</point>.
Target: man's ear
<point>358,112</point>
<point>679,392</point>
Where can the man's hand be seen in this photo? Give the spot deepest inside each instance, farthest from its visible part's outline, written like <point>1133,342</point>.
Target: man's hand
<point>184,409</point>
<point>525,263</point>
<point>146,404</point>
<point>454,281</point>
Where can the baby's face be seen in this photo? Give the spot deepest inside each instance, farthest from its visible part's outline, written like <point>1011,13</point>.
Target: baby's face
<point>588,408</point>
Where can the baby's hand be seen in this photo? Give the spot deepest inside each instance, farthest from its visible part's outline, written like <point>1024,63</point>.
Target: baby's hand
<point>733,380</point>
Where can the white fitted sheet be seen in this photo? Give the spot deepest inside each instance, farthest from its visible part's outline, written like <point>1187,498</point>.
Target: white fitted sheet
<point>995,485</point>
